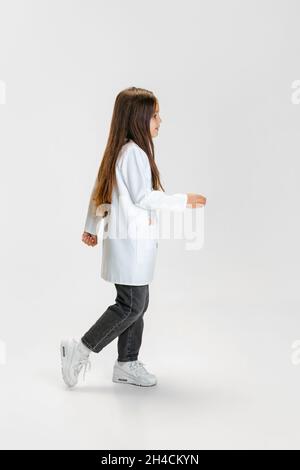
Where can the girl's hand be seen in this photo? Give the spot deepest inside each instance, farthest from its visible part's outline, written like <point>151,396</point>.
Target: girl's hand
<point>195,200</point>
<point>89,239</point>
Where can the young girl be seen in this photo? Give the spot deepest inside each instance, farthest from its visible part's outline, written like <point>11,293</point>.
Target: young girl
<point>126,194</point>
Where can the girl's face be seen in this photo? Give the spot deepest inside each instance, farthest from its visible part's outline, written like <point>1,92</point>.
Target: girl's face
<point>155,122</point>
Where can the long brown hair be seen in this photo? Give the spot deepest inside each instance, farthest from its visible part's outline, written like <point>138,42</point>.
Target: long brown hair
<point>131,117</point>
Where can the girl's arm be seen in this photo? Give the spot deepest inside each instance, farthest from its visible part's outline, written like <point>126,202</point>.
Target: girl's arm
<point>135,170</point>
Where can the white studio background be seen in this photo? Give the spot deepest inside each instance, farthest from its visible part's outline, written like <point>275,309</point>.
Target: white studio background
<point>222,321</point>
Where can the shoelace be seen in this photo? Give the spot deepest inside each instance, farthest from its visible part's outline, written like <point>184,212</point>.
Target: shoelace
<point>83,363</point>
<point>138,364</point>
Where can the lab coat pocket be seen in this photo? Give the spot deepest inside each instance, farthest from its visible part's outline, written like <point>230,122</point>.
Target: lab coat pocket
<point>146,239</point>
<point>145,244</point>
<point>146,251</point>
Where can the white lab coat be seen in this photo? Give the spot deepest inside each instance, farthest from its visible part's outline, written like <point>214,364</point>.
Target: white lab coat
<point>129,233</point>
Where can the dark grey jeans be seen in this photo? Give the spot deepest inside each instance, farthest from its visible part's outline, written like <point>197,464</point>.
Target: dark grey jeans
<point>123,319</point>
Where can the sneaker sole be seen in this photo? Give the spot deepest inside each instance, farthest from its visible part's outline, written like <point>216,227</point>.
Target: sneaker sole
<point>119,380</point>
<point>66,354</point>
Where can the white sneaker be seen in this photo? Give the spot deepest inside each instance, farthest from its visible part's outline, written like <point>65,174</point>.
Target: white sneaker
<point>72,361</point>
<point>133,372</point>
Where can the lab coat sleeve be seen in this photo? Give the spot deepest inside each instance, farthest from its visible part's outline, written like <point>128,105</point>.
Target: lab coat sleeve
<point>92,220</point>
<point>134,170</point>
